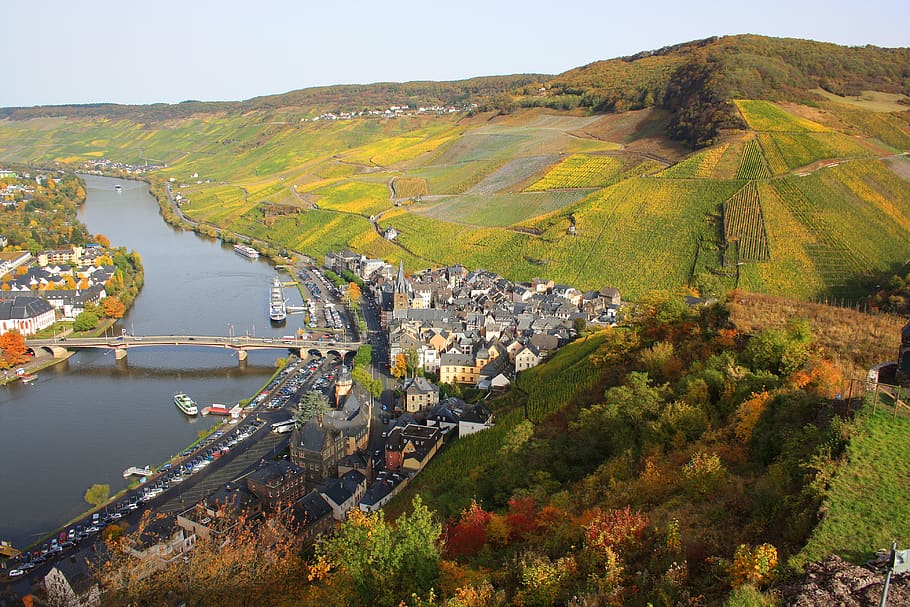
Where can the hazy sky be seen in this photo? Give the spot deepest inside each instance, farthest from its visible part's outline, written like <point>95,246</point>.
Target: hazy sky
<point>127,51</point>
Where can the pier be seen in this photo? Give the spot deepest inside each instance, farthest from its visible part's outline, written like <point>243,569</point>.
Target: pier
<point>137,471</point>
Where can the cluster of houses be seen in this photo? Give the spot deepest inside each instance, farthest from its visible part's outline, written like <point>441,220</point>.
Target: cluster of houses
<point>104,166</point>
<point>393,111</point>
<point>58,285</point>
<point>475,327</point>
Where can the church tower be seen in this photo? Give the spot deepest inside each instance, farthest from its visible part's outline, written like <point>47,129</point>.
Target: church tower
<point>401,297</point>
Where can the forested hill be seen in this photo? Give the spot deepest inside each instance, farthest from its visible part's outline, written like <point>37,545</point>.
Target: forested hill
<point>732,67</point>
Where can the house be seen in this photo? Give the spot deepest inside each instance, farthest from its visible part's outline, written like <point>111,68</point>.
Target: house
<point>419,394</point>
<point>474,418</point>
<point>495,373</point>
<point>69,255</point>
<point>311,517</point>
<point>456,367</point>
<point>276,484</point>
<point>411,447</point>
<point>527,357</point>
<point>544,343</point>
<point>12,260</point>
<point>70,583</point>
<point>160,543</point>
<point>345,493</point>
<point>611,294</point>
<point>320,445</point>
<point>217,514</point>
<point>25,314</point>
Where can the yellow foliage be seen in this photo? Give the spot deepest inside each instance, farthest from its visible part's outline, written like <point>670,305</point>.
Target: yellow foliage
<point>757,566</point>
<point>748,414</point>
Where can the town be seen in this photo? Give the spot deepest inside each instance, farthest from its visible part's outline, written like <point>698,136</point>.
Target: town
<point>442,340</point>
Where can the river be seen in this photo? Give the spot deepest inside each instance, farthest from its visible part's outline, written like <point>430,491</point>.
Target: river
<point>84,421</point>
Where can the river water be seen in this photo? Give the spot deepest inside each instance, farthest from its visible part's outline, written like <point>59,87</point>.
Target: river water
<point>85,420</point>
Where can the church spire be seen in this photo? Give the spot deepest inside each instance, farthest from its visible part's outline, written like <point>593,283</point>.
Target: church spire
<point>401,285</point>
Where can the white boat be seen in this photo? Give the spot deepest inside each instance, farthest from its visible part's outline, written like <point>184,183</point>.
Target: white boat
<point>246,251</point>
<point>186,404</point>
<point>25,377</point>
<point>277,308</point>
<point>118,188</point>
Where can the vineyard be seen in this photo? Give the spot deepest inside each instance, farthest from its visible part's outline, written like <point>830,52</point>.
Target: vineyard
<point>752,164</point>
<point>409,187</point>
<point>499,209</point>
<point>745,226</point>
<point>889,129</point>
<point>700,165</point>
<point>764,116</point>
<point>775,159</point>
<point>580,171</point>
<point>355,197</point>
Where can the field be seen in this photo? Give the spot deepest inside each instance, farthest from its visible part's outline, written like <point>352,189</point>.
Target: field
<point>354,197</point>
<point>700,165</point>
<point>744,225</point>
<point>580,171</point>
<point>875,472</point>
<point>410,187</point>
<point>764,116</point>
<point>752,164</point>
<point>498,209</point>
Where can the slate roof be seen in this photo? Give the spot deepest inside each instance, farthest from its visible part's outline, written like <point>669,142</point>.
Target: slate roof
<point>23,306</point>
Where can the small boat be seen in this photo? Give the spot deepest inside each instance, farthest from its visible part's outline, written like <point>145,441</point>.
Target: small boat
<point>186,404</point>
<point>118,188</point>
<point>25,377</point>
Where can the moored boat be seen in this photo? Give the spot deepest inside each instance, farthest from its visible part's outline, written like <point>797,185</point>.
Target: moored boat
<point>25,377</point>
<point>216,409</point>
<point>186,404</point>
<point>277,308</point>
<point>246,251</point>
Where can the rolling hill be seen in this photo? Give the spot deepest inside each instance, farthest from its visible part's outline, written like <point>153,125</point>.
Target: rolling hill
<point>796,186</point>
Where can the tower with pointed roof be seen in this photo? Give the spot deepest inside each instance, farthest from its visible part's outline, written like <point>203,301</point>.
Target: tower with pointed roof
<point>402,297</point>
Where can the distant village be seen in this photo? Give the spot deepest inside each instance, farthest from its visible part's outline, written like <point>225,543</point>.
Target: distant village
<point>394,111</point>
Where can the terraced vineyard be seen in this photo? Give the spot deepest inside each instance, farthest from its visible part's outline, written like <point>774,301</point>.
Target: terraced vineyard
<point>752,164</point>
<point>580,171</point>
<point>701,165</point>
<point>764,116</point>
<point>744,224</point>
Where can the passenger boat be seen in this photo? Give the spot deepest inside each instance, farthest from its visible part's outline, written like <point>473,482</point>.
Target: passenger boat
<point>246,251</point>
<point>278,311</point>
<point>186,404</point>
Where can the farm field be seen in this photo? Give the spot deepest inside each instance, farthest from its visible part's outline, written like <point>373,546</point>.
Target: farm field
<point>580,171</point>
<point>498,209</point>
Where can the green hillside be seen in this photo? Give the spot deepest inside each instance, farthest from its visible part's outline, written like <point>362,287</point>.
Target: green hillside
<point>793,193</point>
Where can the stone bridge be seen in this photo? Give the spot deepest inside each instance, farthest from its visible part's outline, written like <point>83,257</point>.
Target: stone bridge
<point>59,347</point>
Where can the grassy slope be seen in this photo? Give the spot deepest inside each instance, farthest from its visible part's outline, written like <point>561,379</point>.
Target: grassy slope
<point>867,507</point>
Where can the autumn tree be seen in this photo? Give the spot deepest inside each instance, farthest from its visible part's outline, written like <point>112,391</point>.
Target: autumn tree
<point>353,292</point>
<point>14,351</point>
<point>384,563</point>
<point>251,563</point>
<point>102,240</point>
<point>400,366</point>
<point>112,307</point>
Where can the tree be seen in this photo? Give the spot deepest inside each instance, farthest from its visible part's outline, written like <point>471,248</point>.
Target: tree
<point>400,366</point>
<point>112,307</point>
<point>311,404</point>
<point>579,325</point>
<point>353,292</point>
<point>85,322</point>
<point>384,563</point>
<point>14,351</point>
<point>102,240</point>
<point>97,494</point>
<point>412,361</point>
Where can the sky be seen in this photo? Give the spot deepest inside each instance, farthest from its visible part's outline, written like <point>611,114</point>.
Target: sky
<point>123,51</point>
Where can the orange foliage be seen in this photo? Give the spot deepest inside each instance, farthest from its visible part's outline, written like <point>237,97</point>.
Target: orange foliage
<point>819,377</point>
<point>748,414</point>
<point>616,529</point>
<point>12,350</point>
